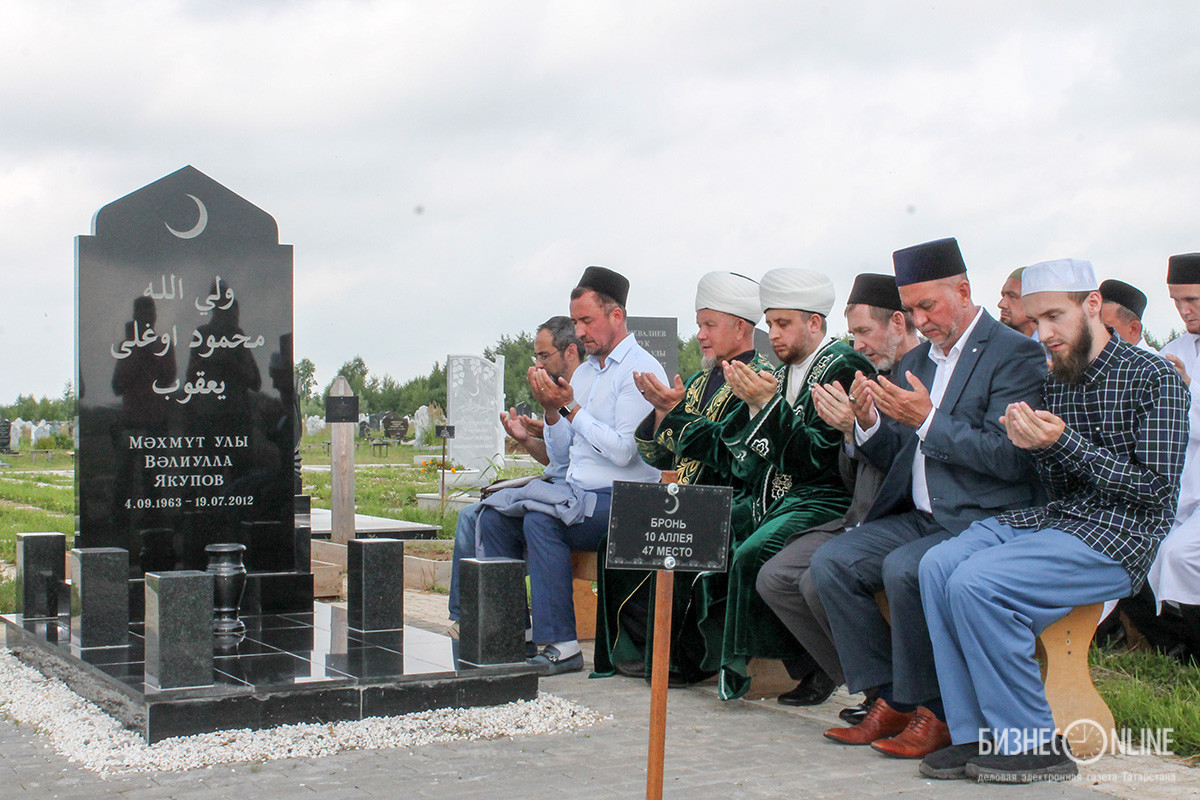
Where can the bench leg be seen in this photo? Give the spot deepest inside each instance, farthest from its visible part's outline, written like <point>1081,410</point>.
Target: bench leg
<point>1063,651</point>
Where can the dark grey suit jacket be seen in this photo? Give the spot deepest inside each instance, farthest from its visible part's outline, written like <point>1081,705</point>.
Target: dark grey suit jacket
<point>973,471</point>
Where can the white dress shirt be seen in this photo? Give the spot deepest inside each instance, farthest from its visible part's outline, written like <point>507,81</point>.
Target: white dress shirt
<point>599,446</point>
<point>946,362</point>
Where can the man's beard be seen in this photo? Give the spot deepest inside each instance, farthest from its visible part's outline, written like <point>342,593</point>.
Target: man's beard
<point>708,362</point>
<point>1069,367</point>
<point>793,355</point>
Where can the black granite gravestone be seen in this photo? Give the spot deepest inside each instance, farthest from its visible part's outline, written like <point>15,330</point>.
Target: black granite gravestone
<point>184,368</point>
<point>394,425</point>
<point>659,336</point>
<point>5,435</point>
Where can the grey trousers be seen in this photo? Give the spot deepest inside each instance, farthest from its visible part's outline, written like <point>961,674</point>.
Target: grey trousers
<point>847,571</point>
<point>785,584</point>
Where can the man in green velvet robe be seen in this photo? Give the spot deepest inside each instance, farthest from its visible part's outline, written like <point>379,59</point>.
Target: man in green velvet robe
<point>683,434</point>
<point>788,456</point>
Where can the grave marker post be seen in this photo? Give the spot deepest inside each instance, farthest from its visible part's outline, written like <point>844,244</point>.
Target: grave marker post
<point>341,412</point>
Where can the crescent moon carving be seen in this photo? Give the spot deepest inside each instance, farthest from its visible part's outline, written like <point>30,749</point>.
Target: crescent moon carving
<point>675,507</point>
<point>201,223</point>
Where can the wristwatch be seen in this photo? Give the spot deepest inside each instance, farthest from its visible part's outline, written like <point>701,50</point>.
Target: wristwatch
<point>568,408</point>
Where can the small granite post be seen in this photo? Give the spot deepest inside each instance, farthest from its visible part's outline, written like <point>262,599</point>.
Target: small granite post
<point>375,584</point>
<point>302,528</point>
<point>41,570</point>
<point>492,625</point>
<point>99,596</point>
<point>179,619</point>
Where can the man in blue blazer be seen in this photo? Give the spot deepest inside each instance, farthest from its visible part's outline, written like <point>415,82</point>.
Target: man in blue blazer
<point>935,428</point>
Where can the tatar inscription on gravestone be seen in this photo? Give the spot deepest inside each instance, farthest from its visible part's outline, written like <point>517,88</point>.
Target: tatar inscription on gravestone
<point>669,526</point>
<point>186,431</point>
<point>474,401</point>
<point>659,336</point>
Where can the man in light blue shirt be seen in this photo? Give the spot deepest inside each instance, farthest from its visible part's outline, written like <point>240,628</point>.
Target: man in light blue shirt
<point>590,426</point>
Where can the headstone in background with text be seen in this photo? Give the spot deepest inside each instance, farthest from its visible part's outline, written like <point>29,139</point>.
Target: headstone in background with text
<point>474,400</point>
<point>184,373</point>
<point>659,336</point>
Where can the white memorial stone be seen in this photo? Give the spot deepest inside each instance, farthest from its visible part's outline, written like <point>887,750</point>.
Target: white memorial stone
<point>474,401</point>
<point>421,423</point>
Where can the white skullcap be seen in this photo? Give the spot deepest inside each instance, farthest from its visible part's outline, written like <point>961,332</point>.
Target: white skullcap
<point>799,289</point>
<point>1059,275</point>
<point>731,293</point>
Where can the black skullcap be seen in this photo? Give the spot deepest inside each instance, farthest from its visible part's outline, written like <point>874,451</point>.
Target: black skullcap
<point>605,281</point>
<point>1123,294</point>
<point>928,262</point>
<point>871,289</point>
<point>1184,268</point>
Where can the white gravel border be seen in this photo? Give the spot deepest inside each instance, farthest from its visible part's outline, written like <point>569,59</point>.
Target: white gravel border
<point>81,732</point>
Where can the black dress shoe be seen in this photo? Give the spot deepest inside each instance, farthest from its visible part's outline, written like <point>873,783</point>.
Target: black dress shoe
<point>551,662</point>
<point>812,691</point>
<point>853,715</point>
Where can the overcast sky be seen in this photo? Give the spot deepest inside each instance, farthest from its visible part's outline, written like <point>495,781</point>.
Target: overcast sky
<point>445,171</point>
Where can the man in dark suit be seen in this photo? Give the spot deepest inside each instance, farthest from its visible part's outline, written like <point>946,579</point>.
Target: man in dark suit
<point>935,428</point>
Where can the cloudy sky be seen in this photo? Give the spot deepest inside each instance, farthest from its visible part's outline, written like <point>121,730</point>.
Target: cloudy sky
<point>446,170</point>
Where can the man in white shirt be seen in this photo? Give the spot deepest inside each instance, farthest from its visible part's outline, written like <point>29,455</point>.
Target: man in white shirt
<point>590,426</point>
<point>949,463</point>
<point>1175,574</point>
<point>1122,311</point>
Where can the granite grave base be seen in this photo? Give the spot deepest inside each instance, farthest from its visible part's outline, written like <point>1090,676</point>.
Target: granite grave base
<point>287,669</point>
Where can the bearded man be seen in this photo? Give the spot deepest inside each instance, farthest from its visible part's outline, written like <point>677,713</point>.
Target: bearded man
<point>683,434</point>
<point>786,454</point>
<point>1110,444</point>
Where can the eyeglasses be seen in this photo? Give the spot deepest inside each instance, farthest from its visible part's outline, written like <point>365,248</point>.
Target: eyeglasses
<point>541,358</point>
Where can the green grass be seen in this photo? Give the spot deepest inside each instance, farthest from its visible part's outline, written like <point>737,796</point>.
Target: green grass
<point>1150,691</point>
<point>29,492</point>
<point>22,520</point>
<point>8,597</point>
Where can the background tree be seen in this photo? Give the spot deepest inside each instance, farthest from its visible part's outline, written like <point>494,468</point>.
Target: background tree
<point>518,358</point>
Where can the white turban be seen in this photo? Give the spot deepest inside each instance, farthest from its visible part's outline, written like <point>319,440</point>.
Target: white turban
<point>1059,275</point>
<point>731,293</point>
<point>798,289</point>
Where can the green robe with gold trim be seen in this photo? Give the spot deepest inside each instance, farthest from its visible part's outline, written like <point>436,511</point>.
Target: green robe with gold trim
<point>689,442</point>
<point>788,456</point>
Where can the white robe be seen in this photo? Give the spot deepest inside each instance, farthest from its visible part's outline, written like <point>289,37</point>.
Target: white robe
<point>1175,573</point>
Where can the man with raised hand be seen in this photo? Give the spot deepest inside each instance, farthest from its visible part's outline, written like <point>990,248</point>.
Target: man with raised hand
<point>883,332</point>
<point>935,427</point>
<point>590,424</point>
<point>1110,445</point>
<point>786,454</point>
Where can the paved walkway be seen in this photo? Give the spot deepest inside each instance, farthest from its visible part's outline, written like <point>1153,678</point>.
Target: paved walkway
<point>714,750</point>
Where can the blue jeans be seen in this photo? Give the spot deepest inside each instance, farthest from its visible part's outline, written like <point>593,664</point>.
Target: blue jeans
<point>987,594</point>
<point>546,544</point>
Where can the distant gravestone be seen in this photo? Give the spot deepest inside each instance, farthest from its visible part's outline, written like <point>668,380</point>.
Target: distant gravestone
<point>364,429</point>
<point>394,426</point>
<point>14,433</point>
<point>375,421</point>
<point>186,434</point>
<point>40,431</point>
<point>421,423</point>
<point>659,336</point>
<point>5,435</point>
<point>474,400</point>
<point>523,409</point>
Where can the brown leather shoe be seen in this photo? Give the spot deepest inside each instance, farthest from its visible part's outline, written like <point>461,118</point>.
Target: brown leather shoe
<point>881,722</point>
<point>925,734</point>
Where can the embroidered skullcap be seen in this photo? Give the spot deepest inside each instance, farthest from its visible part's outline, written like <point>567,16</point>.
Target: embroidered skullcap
<point>928,262</point>
<point>871,289</point>
<point>731,293</point>
<point>1059,275</point>
<point>605,281</point>
<point>797,289</point>
<point>1123,294</point>
<point>1184,268</point>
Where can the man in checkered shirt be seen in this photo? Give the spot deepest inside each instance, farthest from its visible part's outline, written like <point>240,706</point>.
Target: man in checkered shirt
<point>1110,447</point>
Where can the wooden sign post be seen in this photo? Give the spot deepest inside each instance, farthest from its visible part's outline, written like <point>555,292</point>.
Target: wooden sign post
<point>445,433</point>
<point>667,528</point>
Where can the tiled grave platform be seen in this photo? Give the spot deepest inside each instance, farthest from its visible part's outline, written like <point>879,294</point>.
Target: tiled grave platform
<point>366,526</point>
<point>289,668</point>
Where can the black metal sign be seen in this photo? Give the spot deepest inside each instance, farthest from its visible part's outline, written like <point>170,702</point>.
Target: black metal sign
<point>341,409</point>
<point>669,526</point>
<point>443,431</point>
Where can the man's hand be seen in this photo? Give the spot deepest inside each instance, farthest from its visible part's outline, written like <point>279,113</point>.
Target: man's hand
<point>1178,364</point>
<point>908,407</point>
<point>515,425</point>
<point>756,388</point>
<point>1029,429</point>
<point>550,394</point>
<point>861,403</point>
<point>833,405</point>
<point>661,396</point>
